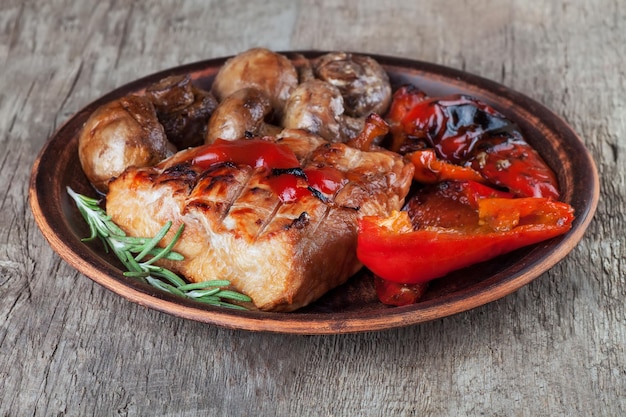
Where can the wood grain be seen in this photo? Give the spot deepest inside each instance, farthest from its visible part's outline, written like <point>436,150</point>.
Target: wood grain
<point>69,347</point>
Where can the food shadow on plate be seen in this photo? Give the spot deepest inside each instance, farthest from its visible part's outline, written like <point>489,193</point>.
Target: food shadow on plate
<point>359,295</point>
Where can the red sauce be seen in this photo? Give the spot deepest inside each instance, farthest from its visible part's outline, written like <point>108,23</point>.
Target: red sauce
<point>285,176</point>
<point>288,187</point>
<point>256,153</point>
<point>327,180</point>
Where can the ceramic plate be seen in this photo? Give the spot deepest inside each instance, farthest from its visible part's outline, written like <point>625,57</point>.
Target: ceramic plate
<point>352,307</point>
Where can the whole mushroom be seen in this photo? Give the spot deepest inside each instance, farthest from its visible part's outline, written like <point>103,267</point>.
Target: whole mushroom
<point>241,114</point>
<point>318,107</point>
<point>182,109</point>
<point>260,68</point>
<point>362,81</point>
<point>119,134</point>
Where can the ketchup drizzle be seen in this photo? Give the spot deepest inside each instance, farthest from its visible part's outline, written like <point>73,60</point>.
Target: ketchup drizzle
<point>285,176</point>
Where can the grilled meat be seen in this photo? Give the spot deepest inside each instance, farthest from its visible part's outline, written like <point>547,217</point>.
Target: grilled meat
<point>283,252</point>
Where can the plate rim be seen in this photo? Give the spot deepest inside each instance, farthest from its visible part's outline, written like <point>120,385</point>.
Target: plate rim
<point>311,323</point>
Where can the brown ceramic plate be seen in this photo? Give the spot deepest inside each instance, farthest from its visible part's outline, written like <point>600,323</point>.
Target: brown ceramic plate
<point>352,307</point>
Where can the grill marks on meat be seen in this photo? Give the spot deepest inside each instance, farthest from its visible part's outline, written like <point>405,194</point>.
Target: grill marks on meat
<point>283,256</point>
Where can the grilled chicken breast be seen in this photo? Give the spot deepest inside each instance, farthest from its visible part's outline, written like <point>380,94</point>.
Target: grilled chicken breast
<point>284,255</point>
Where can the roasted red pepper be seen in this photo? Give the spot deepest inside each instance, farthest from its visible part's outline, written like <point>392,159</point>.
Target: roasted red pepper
<point>452,125</point>
<point>392,293</point>
<point>430,169</point>
<point>404,99</point>
<point>461,149</point>
<point>452,228</point>
<point>450,204</point>
<point>467,132</point>
<point>506,160</point>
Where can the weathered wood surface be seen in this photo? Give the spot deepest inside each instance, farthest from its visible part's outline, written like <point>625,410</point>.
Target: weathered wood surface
<point>70,347</point>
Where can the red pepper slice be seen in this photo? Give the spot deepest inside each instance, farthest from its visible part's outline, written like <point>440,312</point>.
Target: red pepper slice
<point>404,99</point>
<point>505,159</point>
<point>450,204</point>
<point>392,293</point>
<point>430,169</point>
<point>392,249</point>
<point>451,124</point>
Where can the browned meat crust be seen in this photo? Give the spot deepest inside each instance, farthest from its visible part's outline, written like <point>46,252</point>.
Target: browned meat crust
<point>283,255</point>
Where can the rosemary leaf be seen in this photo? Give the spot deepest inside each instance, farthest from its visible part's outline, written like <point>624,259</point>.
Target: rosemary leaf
<point>131,263</point>
<point>164,286</point>
<point>172,256</point>
<point>203,293</point>
<point>232,295</point>
<point>151,244</point>
<point>136,274</point>
<point>169,247</point>
<point>229,305</point>
<point>204,284</point>
<point>166,274</point>
<point>215,301</point>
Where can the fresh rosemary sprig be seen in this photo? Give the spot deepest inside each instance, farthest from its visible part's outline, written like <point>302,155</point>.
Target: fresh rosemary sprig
<point>139,254</point>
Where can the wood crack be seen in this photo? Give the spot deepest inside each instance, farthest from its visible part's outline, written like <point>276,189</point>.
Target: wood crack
<point>124,38</point>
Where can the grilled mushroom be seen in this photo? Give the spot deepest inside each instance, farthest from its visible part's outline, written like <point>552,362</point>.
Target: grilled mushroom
<point>119,134</point>
<point>318,107</point>
<point>241,114</point>
<point>182,109</point>
<point>363,83</point>
<point>260,68</point>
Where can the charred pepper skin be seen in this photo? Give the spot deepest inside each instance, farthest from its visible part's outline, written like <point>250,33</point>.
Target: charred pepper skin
<point>505,159</point>
<point>467,132</point>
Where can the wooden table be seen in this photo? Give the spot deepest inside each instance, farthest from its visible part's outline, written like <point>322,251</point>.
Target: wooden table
<point>554,348</point>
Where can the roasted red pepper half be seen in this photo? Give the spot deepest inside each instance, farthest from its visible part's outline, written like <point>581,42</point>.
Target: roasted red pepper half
<point>467,132</point>
<point>398,250</point>
<point>452,124</point>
